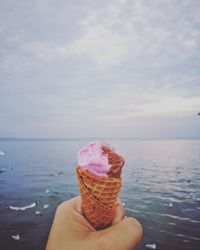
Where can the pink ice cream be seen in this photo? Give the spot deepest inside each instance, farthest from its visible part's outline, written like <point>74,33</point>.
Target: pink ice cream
<point>100,159</point>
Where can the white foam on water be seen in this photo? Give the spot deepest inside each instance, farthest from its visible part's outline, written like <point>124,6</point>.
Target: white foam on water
<point>38,212</point>
<point>151,246</point>
<point>23,208</point>
<point>45,206</point>
<point>16,237</point>
<point>2,152</point>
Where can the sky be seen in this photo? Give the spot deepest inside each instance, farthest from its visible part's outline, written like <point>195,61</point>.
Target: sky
<point>120,69</point>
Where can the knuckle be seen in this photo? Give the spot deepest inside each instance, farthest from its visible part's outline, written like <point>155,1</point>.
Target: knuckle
<point>62,206</point>
<point>136,224</point>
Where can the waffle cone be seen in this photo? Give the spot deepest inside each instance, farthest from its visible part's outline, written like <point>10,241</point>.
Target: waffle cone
<point>99,196</point>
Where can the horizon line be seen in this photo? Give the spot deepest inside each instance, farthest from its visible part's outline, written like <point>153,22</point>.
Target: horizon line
<point>93,138</point>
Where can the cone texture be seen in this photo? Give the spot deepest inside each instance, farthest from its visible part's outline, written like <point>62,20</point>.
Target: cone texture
<point>99,196</point>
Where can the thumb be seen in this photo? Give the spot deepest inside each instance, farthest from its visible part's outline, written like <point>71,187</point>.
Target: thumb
<point>119,213</point>
<point>124,235</point>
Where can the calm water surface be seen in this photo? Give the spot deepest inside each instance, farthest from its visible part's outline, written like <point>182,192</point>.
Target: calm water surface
<point>161,188</point>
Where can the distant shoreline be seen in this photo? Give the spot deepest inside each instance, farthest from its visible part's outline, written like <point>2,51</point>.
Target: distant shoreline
<point>92,139</point>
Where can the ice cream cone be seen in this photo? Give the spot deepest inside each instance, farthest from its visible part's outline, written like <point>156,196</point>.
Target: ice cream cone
<point>99,196</point>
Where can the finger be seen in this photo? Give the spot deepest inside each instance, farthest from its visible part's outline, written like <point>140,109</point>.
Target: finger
<point>69,214</point>
<point>76,204</point>
<point>119,213</point>
<point>124,235</point>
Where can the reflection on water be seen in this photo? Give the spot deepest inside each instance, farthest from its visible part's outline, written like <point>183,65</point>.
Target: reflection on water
<point>161,188</point>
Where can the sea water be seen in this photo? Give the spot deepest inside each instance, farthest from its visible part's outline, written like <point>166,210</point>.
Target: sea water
<point>161,188</point>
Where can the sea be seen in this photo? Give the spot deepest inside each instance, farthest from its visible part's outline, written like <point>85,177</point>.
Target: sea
<point>161,189</point>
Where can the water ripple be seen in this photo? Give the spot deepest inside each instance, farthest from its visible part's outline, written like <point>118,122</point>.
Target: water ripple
<point>180,218</point>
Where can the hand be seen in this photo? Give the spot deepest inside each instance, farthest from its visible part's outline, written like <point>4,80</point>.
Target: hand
<point>71,231</point>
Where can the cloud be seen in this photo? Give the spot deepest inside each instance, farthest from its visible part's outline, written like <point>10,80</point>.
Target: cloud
<point>101,44</point>
<point>92,66</point>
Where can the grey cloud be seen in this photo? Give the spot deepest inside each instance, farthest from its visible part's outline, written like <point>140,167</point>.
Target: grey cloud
<point>94,63</point>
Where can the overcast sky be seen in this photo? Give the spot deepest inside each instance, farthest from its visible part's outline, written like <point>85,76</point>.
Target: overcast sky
<point>100,68</point>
